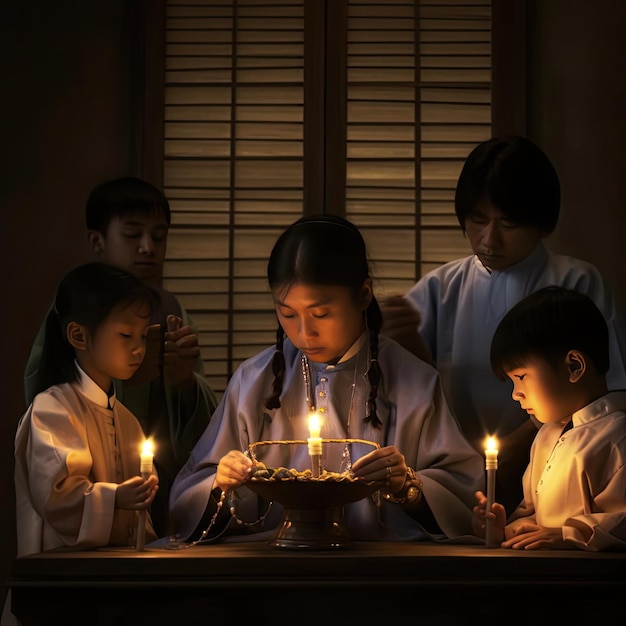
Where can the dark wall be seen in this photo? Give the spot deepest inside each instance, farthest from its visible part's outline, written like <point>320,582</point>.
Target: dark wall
<point>577,113</point>
<point>65,127</point>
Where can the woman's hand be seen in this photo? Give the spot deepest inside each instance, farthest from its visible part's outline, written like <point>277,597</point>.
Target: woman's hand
<point>384,465</point>
<point>233,470</point>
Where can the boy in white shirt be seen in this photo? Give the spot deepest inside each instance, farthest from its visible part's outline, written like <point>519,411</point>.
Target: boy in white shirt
<point>554,346</point>
<point>507,201</point>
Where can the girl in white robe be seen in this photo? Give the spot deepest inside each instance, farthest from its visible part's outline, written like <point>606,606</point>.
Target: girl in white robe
<point>363,386</point>
<point>128,221</point>
<point>77,450</point>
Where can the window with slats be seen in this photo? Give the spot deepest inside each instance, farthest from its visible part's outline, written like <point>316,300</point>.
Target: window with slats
<point>418,98</point>
<point>376,127</point>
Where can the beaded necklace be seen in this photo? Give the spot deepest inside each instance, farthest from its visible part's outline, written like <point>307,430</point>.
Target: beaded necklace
<point>176,544</point>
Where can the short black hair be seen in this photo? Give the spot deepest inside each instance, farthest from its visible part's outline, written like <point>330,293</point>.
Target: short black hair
<point>117,197</point>
<point>547,324</point>
<point>516,176</point>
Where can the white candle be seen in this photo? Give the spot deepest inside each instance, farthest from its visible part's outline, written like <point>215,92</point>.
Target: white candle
<point>315,443</point>
<point>147,456</point>
<point>491,465</point>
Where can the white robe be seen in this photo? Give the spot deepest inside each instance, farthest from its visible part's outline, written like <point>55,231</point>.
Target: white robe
<point>163,415</point>
<point>414,415</point>
<point>576,481</point>
<point>71,452</point>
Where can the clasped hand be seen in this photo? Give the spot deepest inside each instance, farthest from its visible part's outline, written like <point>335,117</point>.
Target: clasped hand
<point>176,349</point>
<point>180,352</point>
<point>137,492</point>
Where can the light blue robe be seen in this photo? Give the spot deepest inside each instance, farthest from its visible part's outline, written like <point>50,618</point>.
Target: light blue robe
<point>461,304</point>
<point>414,416</point>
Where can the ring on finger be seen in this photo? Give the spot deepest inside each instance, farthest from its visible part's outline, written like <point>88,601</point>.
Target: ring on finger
<point>388,471</point>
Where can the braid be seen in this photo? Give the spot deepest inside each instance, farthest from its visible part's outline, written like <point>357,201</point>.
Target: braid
<point>374,374</point>
<point>278,368</point>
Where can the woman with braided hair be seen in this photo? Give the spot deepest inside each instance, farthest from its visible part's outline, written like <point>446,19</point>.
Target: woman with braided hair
<point>330,358</point>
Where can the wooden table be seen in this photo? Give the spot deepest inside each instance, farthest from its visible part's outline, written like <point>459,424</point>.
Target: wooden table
<point>253,583</point>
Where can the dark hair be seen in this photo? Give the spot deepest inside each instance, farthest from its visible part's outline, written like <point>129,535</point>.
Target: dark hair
<point>547,324</point>
<point>86,295</point>
<point>516,176</point>
<point>324,250</point>
<point>117,197</point>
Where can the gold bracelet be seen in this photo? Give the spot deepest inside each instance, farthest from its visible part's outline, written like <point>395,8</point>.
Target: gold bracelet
<point>411,489</point>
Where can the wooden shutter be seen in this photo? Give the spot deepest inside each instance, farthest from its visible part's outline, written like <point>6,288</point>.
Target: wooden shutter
<point>234,108</point>
<point>397,93</point>
<point>418,97</point>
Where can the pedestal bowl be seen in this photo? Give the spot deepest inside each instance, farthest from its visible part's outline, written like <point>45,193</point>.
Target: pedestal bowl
<point>313,507</point>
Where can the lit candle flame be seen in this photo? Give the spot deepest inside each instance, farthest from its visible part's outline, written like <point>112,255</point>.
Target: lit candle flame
<point>491,445</point>
<point>147,448</point>
<point>147,454</point>
<point>314,425</point>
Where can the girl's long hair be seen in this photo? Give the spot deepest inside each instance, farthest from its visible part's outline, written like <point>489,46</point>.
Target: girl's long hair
<point>86,295</point>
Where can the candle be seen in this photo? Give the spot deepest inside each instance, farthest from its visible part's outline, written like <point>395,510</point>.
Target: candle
<point>491,465</point>
<point>315,443</point>
<point>147,454</point>
<point>145,467</point>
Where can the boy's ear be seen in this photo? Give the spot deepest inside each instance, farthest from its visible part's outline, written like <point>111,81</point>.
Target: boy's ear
<point>76,336</point>
<point>576,364</point>
<point>96,241</point>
